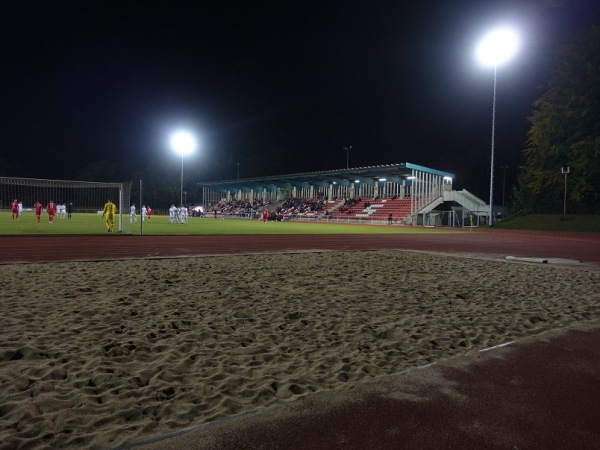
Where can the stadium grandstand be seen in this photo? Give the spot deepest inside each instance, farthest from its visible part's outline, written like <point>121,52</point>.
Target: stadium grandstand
<point>402,193</point>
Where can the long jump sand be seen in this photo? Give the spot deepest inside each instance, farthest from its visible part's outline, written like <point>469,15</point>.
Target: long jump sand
<point>102,354</point>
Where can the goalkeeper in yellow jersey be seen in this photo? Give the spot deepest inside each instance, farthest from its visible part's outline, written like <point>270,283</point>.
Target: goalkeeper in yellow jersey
<point>108,213</point>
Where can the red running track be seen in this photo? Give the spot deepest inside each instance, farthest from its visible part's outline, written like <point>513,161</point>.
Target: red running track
<point>539,393</point>
<point>497,244</point>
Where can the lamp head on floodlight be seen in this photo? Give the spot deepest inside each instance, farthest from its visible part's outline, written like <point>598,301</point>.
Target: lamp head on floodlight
<point>497,47</point>
<point>183,142</point>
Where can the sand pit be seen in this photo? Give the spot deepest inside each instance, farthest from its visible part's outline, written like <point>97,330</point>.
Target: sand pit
<point>100,354</point>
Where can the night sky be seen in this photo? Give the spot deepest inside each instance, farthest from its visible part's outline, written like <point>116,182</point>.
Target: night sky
<point>278,87</point>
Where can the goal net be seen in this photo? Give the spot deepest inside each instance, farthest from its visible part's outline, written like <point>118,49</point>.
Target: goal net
<point>79,206</point>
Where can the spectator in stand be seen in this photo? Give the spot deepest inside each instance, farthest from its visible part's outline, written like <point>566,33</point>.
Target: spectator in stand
<point>51,210</point>
<point>37,208</point>
<point>69,210</point>
<point>14,209</point>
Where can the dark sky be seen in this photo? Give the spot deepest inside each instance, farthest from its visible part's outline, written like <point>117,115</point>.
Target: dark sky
<point>278,87</point>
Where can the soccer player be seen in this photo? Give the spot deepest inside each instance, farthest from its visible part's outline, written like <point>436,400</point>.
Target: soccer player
<point>132,215</point>
<point>38,207</point>
<point>20,209</point>
<point>173,214</point>
<point>144,212</point>
<point>14,209</point>
<point>69,210</point>
<point>149,212</point>
<point>265,215</point>
<point>183,213</point>
<point>108,213</point>
<point>51,210</point>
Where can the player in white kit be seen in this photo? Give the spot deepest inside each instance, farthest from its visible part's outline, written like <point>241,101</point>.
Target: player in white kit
<point>183,213</point>
<point>173,214</point>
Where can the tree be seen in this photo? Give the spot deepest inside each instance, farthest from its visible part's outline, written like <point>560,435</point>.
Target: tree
<point>565,132</point>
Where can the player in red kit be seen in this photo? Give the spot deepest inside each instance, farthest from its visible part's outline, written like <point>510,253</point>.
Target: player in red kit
<point>265,215</point>
<point>14,209</point>
<point>51,210</point>
<point>149,212</point>
<point>38,207</point>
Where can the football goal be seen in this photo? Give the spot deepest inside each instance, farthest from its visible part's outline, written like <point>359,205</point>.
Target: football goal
<point>79,206</point>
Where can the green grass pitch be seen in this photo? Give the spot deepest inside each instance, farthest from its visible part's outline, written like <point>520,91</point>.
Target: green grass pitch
<point>93,224</point>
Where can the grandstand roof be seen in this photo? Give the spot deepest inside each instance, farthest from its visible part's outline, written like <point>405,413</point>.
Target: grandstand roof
<point>366,175</point>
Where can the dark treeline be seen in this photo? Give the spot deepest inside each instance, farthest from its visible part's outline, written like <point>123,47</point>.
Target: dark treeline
<point>565,133</point>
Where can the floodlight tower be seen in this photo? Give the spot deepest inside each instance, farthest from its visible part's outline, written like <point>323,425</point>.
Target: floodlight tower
<point>496,48</point>
<point>184,143</point>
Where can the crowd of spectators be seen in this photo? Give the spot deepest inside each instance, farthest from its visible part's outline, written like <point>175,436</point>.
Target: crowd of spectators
<point>243,208</point>
<point>289,209</point>
<point>293,207</point>
<point>350,205</point>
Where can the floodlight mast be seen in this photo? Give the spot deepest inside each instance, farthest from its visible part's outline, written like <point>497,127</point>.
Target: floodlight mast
<point>491,214</point>
<point>496,48</point>
<point>184,143</point>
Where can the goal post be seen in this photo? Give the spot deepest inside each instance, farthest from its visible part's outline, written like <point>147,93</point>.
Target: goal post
<point>79,206</point>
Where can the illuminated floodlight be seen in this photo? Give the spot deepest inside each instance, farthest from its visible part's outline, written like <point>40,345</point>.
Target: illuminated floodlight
<point>383,179</point>
<point>497,47</point>
<point>357,181</point>
<point>447,178</point>
<point>183,142</point>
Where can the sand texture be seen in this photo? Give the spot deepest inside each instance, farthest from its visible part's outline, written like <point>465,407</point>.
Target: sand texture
<point>101,354</point>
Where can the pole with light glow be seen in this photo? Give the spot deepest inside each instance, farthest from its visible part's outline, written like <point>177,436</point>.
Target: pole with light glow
<point>495,48</point>
<point>184,143</point>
